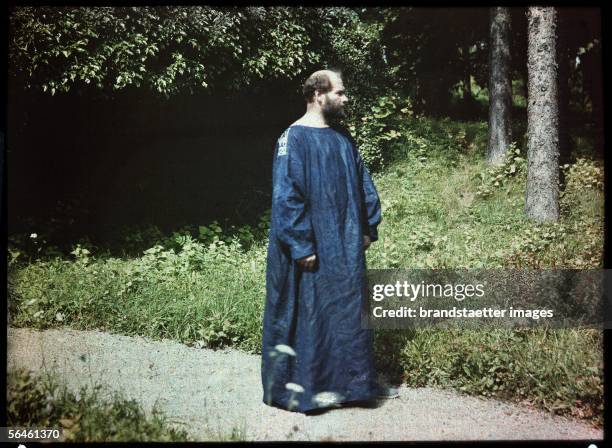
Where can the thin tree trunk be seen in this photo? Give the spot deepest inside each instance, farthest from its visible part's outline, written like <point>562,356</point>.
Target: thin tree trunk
<point>542,195</point>
<point>500,86</point>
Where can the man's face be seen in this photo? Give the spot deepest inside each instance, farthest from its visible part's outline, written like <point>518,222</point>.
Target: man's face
<point>333,102</point>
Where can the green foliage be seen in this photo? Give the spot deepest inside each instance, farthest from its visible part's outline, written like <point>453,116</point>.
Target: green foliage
<point>26,247</point>
<point>434,198</point>
<point>138,239</point>
<point>39,402</point>
<point>583,174</point>
<point>540,238</point>
<point>204,294</point>
<point>217,332</point>
<point>577,241</point>
<point>526,250</point>
<point>356,47</point>
<point>496,176</point>
<point>173,48</point>
<point>427,138</point>
<point>442,207</point>
<point>379,132</point>
<point>558,370</point>
<point>425,239</point>
<point>389,130</point>
<point>81,254</point>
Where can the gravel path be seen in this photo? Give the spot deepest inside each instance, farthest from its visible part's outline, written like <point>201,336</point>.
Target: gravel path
<point>217,392</point>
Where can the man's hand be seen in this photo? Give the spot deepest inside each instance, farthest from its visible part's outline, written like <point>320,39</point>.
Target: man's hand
<point>366,242</point>
<point>307,263</point>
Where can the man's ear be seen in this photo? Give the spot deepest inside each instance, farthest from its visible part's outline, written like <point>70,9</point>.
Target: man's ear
<point>317,96</point>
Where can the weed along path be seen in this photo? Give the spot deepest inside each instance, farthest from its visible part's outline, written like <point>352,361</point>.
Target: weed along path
<point>217,394</point>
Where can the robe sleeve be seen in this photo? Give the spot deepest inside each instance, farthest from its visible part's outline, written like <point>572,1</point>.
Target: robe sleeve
<point>290,208</point>
<point>370,200</point>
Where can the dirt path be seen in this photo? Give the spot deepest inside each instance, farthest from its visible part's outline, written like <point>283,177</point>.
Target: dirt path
<point>217,392</point>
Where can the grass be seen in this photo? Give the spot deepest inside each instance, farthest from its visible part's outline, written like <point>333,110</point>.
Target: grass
<point>557,370</point>
<point>442,208</point>
<point>436,216</point>
<point>201,296</point>
<point>442,212</point>
<point>40,402</point>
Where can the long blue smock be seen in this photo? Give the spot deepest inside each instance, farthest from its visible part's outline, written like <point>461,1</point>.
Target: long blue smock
<point>323,203</point>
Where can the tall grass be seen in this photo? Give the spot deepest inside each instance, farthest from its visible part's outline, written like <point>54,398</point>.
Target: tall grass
<point>207,296</point>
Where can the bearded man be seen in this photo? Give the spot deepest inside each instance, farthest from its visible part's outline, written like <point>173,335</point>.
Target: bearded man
<point>325,213</point>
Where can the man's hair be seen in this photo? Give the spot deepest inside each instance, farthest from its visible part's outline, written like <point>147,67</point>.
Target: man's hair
<point>318,81</point>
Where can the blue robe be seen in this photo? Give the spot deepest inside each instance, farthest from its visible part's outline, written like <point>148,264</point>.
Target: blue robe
<point>323,202</point>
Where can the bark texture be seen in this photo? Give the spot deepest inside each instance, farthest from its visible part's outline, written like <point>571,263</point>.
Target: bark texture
<point>542,195</point>
<point>500,86</point>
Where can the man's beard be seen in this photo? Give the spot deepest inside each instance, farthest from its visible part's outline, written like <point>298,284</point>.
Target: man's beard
<point>332,113</point>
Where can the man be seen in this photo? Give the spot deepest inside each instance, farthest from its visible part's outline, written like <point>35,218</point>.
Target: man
<point>325,210</point>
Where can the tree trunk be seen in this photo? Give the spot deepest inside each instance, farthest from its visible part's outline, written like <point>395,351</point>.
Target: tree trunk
<point>500,86</point>
<point>542,195</point>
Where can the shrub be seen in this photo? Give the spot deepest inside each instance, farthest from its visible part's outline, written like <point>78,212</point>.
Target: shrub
<point>496,176</point>
<point>34,401</point>
<point>583,174</point>
<point>378,131</point>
